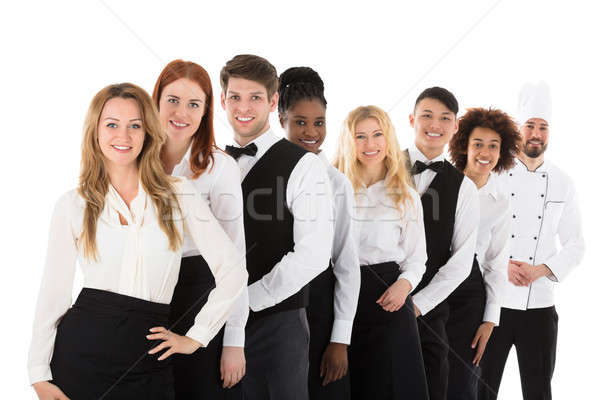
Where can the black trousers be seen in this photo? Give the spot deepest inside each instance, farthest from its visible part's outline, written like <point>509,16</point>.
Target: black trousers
<point>197,375</point>
<point>533,333</point>
<point>277,357</point>
<point>467,306</point>
<point>320,321</point>
<point>101,350</point>
<point>434,345</point>
<point>385,357</point>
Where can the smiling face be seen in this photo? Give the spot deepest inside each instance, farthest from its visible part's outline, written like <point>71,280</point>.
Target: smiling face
<point>483,151</point>
<point>120,133</point>
<point>248,107</point>
<point>182,106</point>
<point>434,125</point>
<point>304,124</point>
<point>534,133</point>
<point>371,144</point>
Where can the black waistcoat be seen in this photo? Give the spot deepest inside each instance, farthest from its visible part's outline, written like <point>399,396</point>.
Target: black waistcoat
<point>268,224</point>
<point>439,211</point>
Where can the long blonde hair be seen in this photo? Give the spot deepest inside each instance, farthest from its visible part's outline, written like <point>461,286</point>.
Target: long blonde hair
<point>346,159</point>
<point>93,176</point>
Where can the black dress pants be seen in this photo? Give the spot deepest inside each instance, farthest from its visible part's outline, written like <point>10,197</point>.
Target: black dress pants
<point>467,306</point>
<point>534,333</point>
<point>434,345</point>
<point>277,357</point>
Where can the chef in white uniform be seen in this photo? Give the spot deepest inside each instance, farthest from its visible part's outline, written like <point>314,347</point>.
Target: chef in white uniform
<point>543,207</point>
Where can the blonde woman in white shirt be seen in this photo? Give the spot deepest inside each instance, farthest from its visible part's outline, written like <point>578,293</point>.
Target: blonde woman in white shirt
<point>124,225</point>
<point>486,144</point>
<point>385,357</point>
<point>184,97</point>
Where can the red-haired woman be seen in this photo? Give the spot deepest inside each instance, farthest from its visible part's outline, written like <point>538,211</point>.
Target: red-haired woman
<point>485,144</point>
<point>184,96</point>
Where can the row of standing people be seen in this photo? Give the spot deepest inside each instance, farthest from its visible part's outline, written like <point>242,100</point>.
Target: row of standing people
<point>407,259</point>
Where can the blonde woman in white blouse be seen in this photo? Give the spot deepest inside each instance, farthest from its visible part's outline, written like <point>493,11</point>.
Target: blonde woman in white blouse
<point>385,356</point>
<point>124,225</point>
<point>485,145</point>
<point>184,97</point>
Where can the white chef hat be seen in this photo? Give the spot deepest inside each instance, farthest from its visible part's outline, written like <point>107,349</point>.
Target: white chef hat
<point>534,102</point>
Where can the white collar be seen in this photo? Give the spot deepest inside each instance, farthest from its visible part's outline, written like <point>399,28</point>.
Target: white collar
<point>491,186</point>
<point>416,155</point>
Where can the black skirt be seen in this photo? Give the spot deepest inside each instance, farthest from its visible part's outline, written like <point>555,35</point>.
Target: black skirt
<point>320,317</point>
<point>101,349</point>
<point>197,375</point>
<point>385,354</point>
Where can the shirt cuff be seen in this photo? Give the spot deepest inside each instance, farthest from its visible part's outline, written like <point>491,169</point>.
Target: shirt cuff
<point>341,331</point>
<point>234,336</point>
<point>411,277</point>
<point>423,304</point>
<point>492,313</point>
<point>200,334</point>
<point>259,298</point>
<point>552,276</point>
<point>39,374</point>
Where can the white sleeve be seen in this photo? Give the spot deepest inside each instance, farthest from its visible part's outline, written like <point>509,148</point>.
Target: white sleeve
<point>413,242</point>
<point>309,200</point>
<point>346,266</point>
<point>495,267</point>
<point>227,205</point>
<point>571,239</point>
<point>227,265</point>
<point>54,298</point>
<point>464,240</point>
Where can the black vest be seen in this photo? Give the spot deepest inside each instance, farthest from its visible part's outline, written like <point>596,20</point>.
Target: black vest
<point>268,224</point>
<point>439,211</point>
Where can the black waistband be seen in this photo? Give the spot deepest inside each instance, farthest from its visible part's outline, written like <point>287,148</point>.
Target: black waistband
<point>114,303</point>
<point>389,266</point>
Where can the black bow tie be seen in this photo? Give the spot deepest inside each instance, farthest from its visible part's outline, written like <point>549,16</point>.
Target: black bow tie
<point>421,166</point>
<point>236,152</point>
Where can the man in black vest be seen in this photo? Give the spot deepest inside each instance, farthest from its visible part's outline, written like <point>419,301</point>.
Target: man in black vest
<point>289,231</point>
<point>451,217</point>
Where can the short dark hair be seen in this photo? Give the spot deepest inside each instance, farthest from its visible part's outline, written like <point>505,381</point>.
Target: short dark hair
<point>299,83</point>
<point>494,119</point>
<point>253,68</point>
<point>440,94</point>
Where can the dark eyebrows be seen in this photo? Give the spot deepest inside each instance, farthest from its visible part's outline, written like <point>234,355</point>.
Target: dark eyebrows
<point>303,117</point>
<point>481,140</point>
<point>177,97</point>
<point>431,112</point>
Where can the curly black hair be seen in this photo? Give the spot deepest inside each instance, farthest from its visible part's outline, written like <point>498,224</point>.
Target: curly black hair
<point>299,83</point>
<point>494,119</point>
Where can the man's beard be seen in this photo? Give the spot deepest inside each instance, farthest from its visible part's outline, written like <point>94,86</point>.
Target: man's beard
<point>534,152</point>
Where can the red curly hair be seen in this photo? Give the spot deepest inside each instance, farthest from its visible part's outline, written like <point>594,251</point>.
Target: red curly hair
<point>494,119</point>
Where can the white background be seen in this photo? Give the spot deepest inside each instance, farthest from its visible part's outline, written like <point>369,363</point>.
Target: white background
<point>57,55</point>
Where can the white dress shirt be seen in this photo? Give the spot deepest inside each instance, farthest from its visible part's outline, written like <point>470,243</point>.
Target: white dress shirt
<point>464,238</point>
<point>387,235</point>
<point>544,208</point>
<point>133,260</point>
<point>344,255</point>
<point>493,245</point>
<point>308,198</point>
<point>219,185</point>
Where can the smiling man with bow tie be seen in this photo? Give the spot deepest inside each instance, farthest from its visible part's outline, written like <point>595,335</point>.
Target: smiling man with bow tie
<point>544,208</point>
<point>288,221</point>
<point>451,215</point>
